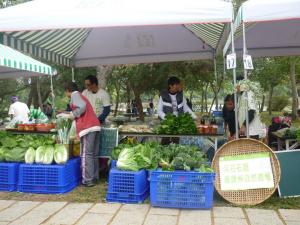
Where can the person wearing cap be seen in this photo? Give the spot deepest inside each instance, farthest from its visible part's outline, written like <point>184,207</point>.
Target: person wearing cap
<point>98,97</point>
<point>18,110</point>
<point>173,101</point>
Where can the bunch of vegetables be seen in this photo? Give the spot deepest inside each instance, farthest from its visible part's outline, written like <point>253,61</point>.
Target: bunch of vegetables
<point>182,124</point>
<point>37,114</point>
<point>151,155</point>
<point>31,148</point>
<point>63,128</point>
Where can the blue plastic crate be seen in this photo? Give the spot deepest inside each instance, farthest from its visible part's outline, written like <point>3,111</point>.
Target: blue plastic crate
<point>113,164</point>
<point>45,189</point>
<point>127,197</point>
<point>127,181</point>
<point>181,189</point>
<point>52,179</point>
<point>9,176</point>
<point>76,167</point>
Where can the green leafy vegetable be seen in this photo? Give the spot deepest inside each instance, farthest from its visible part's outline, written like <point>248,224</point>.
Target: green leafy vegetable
<point>183,124</point>
<point>30,155</point>
<point>60,154</point>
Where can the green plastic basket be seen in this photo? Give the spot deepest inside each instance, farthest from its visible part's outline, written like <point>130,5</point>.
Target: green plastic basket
<point>108,140</point>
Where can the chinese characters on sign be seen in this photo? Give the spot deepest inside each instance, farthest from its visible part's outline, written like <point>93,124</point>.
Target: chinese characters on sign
<point>242,172</point>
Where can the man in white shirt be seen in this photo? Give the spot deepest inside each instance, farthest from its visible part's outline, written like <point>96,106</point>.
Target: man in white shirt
<point>18,110</point>
<point>173,101</point>
<point>98,98</point>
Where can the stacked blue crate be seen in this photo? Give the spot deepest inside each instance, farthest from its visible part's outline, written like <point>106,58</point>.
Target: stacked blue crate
<point>49,179</point>
<point>127,186</point>
<point>9,176</point>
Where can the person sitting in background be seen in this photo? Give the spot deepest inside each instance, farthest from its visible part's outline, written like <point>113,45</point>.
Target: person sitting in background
<point>98,98</point>
<point>87,128</point>
<point>18,110</point>
<point>229,116</point>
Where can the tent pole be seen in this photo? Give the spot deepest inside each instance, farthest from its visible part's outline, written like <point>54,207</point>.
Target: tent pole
<point>246,77</point>
<point>216,78</point>
<point>52,93</point>
<point>234,84</point>
<point>73,75</point>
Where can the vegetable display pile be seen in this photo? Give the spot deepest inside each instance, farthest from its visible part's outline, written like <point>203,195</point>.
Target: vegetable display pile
<point>183,124</point>
<point>151,155</point>
<point>31,148</point>
<point>37,114</point>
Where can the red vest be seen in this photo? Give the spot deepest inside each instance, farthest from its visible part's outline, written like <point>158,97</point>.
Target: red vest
<point>88,119</point>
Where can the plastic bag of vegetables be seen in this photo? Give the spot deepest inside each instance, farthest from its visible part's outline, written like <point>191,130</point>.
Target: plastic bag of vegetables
<point>30,155</point>
<point>61,155</point>
<point>48,154</point>
<point>39,154</point>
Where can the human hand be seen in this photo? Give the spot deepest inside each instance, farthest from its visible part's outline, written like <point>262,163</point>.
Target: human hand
<point>230,138</point>
<point>242,131</point>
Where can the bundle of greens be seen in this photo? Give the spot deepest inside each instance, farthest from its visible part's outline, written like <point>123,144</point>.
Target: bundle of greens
<point>151,155</point>
<point>141,156</point>
<point>63,128</point>
<point>183,124</point>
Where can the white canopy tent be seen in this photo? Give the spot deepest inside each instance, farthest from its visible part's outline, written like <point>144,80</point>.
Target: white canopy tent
<point>266,28</point>
<point>272,28</point>
<point>84,33</point>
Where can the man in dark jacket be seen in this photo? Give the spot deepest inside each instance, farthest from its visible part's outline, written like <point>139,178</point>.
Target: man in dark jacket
<point>173,101</point>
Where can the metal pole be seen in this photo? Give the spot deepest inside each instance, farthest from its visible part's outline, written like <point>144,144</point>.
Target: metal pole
<point>52,93</point>
<point>216,78</point>
<point>234,83</point>
<point>73,75</point>
<point>245,77</point>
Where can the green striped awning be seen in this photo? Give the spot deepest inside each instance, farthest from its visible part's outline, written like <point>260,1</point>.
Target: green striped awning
<point>211,34</point>
<point>14,63</point>
<point>57,46</point>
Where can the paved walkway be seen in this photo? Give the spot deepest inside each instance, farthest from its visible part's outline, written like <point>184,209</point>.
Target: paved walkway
<point>31,213</point>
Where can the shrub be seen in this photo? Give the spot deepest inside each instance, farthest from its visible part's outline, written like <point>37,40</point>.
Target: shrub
<point>280,102</point>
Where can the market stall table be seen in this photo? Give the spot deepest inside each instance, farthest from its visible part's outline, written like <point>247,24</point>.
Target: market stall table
<point>213,138</point>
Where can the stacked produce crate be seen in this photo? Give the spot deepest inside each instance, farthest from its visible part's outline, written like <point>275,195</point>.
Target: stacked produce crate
<point>180,176</point>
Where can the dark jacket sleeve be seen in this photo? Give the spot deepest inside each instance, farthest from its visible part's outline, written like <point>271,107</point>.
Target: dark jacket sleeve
<point>105,113</point>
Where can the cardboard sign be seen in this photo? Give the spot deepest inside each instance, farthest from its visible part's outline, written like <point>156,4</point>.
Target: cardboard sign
<point>248,65</point>
<point>231,61</point>
<point>243,172</point>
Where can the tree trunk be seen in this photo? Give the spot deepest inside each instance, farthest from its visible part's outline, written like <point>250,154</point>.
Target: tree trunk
<point>191,95</point>
<point>29,101</point>
<point>270,99</point>
<point>139,104</point>
<point>202,100</point>
<point>262,104</point>
<point>205,97</point>
<point>38,90</point>
<point>102,74</point>
<point>117,98</point>
<point>128,97</point>
<point>294,88</point>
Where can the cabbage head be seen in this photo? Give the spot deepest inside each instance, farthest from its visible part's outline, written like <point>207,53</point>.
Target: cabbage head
<point>39,154</point>
<point>126,160</point>
<point>48,154</point>
<point>30,155</point>
<point>61,155</point>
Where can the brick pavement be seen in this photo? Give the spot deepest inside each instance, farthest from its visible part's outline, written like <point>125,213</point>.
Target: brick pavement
<point>63,213</point>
